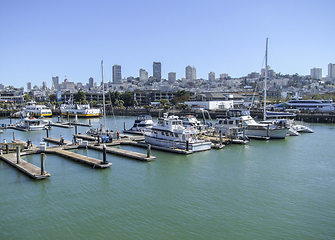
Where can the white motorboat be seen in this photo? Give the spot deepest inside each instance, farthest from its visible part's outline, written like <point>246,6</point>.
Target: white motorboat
<point>170,133</point>
<point>142,123</point>
<point>192,122</point>
<point>242,118</point>
<point>32,124</point>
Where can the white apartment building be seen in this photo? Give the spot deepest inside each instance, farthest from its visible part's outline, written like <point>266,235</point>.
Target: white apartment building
<point>143,74</point>
<point>316,73</point>
<point>331,70</point>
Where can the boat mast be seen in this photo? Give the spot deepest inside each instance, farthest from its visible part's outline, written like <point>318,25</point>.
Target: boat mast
<point>103,93</point>
<point>266,76</point>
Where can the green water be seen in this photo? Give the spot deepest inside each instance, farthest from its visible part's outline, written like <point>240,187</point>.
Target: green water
<point>278,189</point>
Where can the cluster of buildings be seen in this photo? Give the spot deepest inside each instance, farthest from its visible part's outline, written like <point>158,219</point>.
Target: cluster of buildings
<point>148,89</point>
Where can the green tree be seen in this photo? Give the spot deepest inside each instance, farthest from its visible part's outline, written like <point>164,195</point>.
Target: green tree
<point>128,98</point>
<point>79,96</point>
<point>53,98</point>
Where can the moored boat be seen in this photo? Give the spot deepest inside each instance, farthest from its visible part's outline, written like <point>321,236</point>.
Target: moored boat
<point>32,124</point>
<point>170,133</point>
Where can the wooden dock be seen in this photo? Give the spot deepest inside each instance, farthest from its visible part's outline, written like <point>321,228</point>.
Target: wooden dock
<point>145,145</point>
<point>96,163</point>
<point>25,167</point>
<point>125,153</point>
<point>56,140</point>
<point>62,125</point>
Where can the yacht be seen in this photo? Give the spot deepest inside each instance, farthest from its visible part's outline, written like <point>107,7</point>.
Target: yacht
<point>169,132</point>
<point>142,123</point>
<point>35,110</point>
<point>192,122</point>
<point>32,124</point>
<point>242,118</point>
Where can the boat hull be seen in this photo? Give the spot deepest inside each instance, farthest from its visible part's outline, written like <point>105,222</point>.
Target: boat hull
<point>193,146</point>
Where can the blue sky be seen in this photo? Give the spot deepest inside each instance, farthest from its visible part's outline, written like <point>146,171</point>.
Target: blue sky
<point>41,39</point>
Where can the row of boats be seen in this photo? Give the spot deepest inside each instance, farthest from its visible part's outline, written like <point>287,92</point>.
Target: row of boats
<point>189,133</point>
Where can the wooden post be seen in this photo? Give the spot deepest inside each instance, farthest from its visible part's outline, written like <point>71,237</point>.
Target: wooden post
<point>187,145</point>
<point>75,129</point>
<point>7,148</point>
<point>18,154</point>
<point>13,135</point>
<point>58,118</point>
<point>220,136</point>
<point>68,117</point>
<point>89,122</point>
<point>104,151</point>
<point>47,132</point>
<point>124,125</point>
<point>42,163</point>
<point>148,150</point>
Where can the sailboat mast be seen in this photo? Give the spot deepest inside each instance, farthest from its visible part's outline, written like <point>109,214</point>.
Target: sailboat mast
<point>103,93</point>
<point>266,77</point>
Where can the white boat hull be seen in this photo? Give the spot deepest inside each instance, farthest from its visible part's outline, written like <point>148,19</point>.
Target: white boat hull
<point>193,146</point>
<point>271,133</point>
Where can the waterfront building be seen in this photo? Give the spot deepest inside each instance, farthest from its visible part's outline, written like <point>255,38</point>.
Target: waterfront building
<point>316,73</point>
<point>331,70</point>
<point>55,82</point>
<point>157,71</point>
<point>117,77</point>
<point>143,75</point>
<point>171,77</point>
<point>211,77</point>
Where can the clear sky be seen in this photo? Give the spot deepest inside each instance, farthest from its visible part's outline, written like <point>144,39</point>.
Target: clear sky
<point>44,38</point>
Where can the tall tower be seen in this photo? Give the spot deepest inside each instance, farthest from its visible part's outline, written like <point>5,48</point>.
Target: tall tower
<point>143,75</point>
<point>157,71</point>
<point>171,77</point>
<point>316,73</point>
<point>117,74</point>
<point>190,73</point>
<point>28,86</point>
<point>55,81</point>
<point>90,82</point>
<point>331,70</point>
<point>211,76</point>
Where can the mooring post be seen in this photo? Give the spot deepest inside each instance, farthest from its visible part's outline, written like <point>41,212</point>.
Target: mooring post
<point>18,154</point>
<point>124,125</point>
<point>47,132</point>
<point>148,150</point>
<point>89,122</point>
<point>220,132</point>
<point>75,129</point>
<point>7,149</point>
<point>13,135</point>
<point>68,117</point>
<point>104,151</point>
<point>42,163</point>
<point>58,118</point>
<point>187,145</point>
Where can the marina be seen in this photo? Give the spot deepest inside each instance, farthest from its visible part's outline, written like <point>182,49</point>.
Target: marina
<point>257,181</point>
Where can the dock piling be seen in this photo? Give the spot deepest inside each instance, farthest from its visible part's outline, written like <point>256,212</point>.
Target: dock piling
<point>187,145</point>
<point>42,163</point>
<point>47,132</point>
<point>18,154</point>
<point>124,125</point>
<point>13,136</point>
<point>75,128</point>
<point>104,154</point>
<point>148,150</point>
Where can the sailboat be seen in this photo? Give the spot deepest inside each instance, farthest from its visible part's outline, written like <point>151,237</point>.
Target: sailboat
<point>102,133</point>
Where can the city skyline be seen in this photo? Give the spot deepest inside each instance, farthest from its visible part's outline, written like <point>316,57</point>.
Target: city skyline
<point>64,38</point>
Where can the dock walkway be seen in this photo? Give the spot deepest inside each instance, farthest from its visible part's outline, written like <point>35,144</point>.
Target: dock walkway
<point>24,166</point>
<point>78,157</point>
<point>124,153</point>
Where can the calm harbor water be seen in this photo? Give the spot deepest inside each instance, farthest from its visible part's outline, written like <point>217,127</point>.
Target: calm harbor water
<point>277,189</point>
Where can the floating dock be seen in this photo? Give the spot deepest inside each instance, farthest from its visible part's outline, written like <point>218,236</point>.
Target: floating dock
<point>25,167</point>
<point>145,145</point>
<point>79,158</point>
<point>56,141</point>
<point>125,153</point>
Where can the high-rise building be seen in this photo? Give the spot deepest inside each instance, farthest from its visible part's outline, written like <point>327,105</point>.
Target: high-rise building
<point>171,77</point>
<point>190,73</point>
<point>44,86</point>
<point>90,82</point>
<point>28,86</point>
<point>331,70</point>
<point>211,76</point>
<point>316,73</point>
<point>55,82</point>
<point>157,71</point>
<point>117,77</point>
<point>143,75</point>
